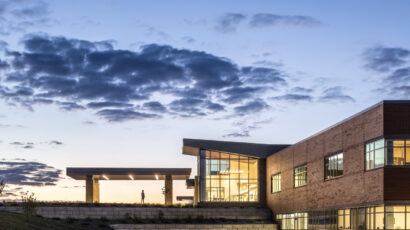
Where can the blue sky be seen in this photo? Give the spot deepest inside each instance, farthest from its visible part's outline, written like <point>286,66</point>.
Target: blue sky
<point>120,83</point>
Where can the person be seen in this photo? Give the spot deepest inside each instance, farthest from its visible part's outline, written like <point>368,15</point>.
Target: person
<point>142,196</point>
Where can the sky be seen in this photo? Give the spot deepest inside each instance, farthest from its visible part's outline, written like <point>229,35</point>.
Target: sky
<point>121,83</point>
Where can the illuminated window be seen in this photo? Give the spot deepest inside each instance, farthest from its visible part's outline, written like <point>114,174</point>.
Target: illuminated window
<point>300,176</point>
<point>276,181</point>
<point>229,177</point>
<point>395,152</point>
<point>334,166</point>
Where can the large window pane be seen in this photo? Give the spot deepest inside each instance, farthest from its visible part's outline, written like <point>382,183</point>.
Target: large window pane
<point>234,190</point>
<point>243,190</point>
<point>253,168</point>
<point>253,190</point>
<point>243,168</point>
<point>395,220</point>
<point>227,177</point>
<point>379,158</point>
<point>379,221</point>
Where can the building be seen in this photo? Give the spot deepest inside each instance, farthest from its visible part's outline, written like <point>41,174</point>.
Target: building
<point>353,175</point>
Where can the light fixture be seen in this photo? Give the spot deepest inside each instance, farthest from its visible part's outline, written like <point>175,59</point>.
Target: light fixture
<point>105,177</point>
<point>156,177</point>
<point>131,177</point>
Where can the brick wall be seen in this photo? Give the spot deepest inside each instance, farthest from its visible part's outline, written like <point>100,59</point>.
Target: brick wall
<point>355,187</point>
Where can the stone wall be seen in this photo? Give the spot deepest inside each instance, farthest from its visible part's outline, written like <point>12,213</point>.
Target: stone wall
<point>194,226</point>
<point>149,213</point>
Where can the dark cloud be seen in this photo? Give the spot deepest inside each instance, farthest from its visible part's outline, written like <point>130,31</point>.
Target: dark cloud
<point>155,106</point>
<point>77,75</point>
<point>335,94</point>
<point>229,22</point>
<point>293,97</point>
<point>266,20</point>
<point>384,59</point>
<point>22,172</point>
<point>55,142</point>
<point>251,107</point>
<point>393,63</point>
<point>24,145</point>
<point>99,105</point>
<point>118,115</point>
<point>238,134</point>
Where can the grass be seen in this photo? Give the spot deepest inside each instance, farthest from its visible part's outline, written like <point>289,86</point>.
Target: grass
<point>14,221</point>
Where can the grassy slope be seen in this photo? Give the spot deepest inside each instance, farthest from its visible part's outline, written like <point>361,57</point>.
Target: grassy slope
<point>13,221</point>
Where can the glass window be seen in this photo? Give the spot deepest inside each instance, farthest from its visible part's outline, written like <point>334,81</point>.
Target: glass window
<point>300,176</point>
<point>276,183</point>
<point>395,152</point>
<point>334,166</point>
<point>375,154</point>
<point>227,178</point>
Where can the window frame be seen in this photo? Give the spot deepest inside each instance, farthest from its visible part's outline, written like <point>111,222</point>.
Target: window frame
<point>294,175</point>
<point>280,183</point>
<point>324,164</point>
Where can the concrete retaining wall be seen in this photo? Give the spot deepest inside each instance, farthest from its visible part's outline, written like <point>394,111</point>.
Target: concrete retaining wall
<point>149,213</point>
<point>194,226</point>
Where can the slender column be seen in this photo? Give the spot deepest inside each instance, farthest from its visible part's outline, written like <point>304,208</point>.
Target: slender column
<point>168,189</point>
<point>96,190</point>
<point>196,190</point>
<point>92,189</point>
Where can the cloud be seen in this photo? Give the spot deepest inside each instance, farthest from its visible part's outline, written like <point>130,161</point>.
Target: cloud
<point>251,107</point>
<point>155,106</point>
<point>22,172</point>
<point>99,105</point>
<point>335,94</point>
<point>293,97</point>
<point>394,65</point>
<point>384,59</point>
<point>238,134</point>
<point>118,115</point>
<point>77,74</point>
<point>267,20</point>
<point>24,145</point>
<point>18,16</point>
<point>55,142</point>
<point>229,22</point>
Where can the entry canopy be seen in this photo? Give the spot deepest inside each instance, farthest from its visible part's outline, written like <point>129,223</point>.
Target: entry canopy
<point>129,173</point>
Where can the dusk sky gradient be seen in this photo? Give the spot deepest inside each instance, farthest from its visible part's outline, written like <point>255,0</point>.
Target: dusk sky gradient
<point>120,83</point>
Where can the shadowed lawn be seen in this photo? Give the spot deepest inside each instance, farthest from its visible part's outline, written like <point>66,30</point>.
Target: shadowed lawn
<point>14,221</point>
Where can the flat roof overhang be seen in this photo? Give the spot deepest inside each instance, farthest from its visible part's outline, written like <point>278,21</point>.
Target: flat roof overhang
<point>129,173</point>
<point>193,146</point>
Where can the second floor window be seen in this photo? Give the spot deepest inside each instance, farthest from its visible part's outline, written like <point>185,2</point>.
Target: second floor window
<point>300,176</point>
<point>334,166</point>
<point>276,181</point>
<point>375,154</point>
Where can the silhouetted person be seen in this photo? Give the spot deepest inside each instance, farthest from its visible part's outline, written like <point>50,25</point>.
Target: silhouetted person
<point>142,196</point>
